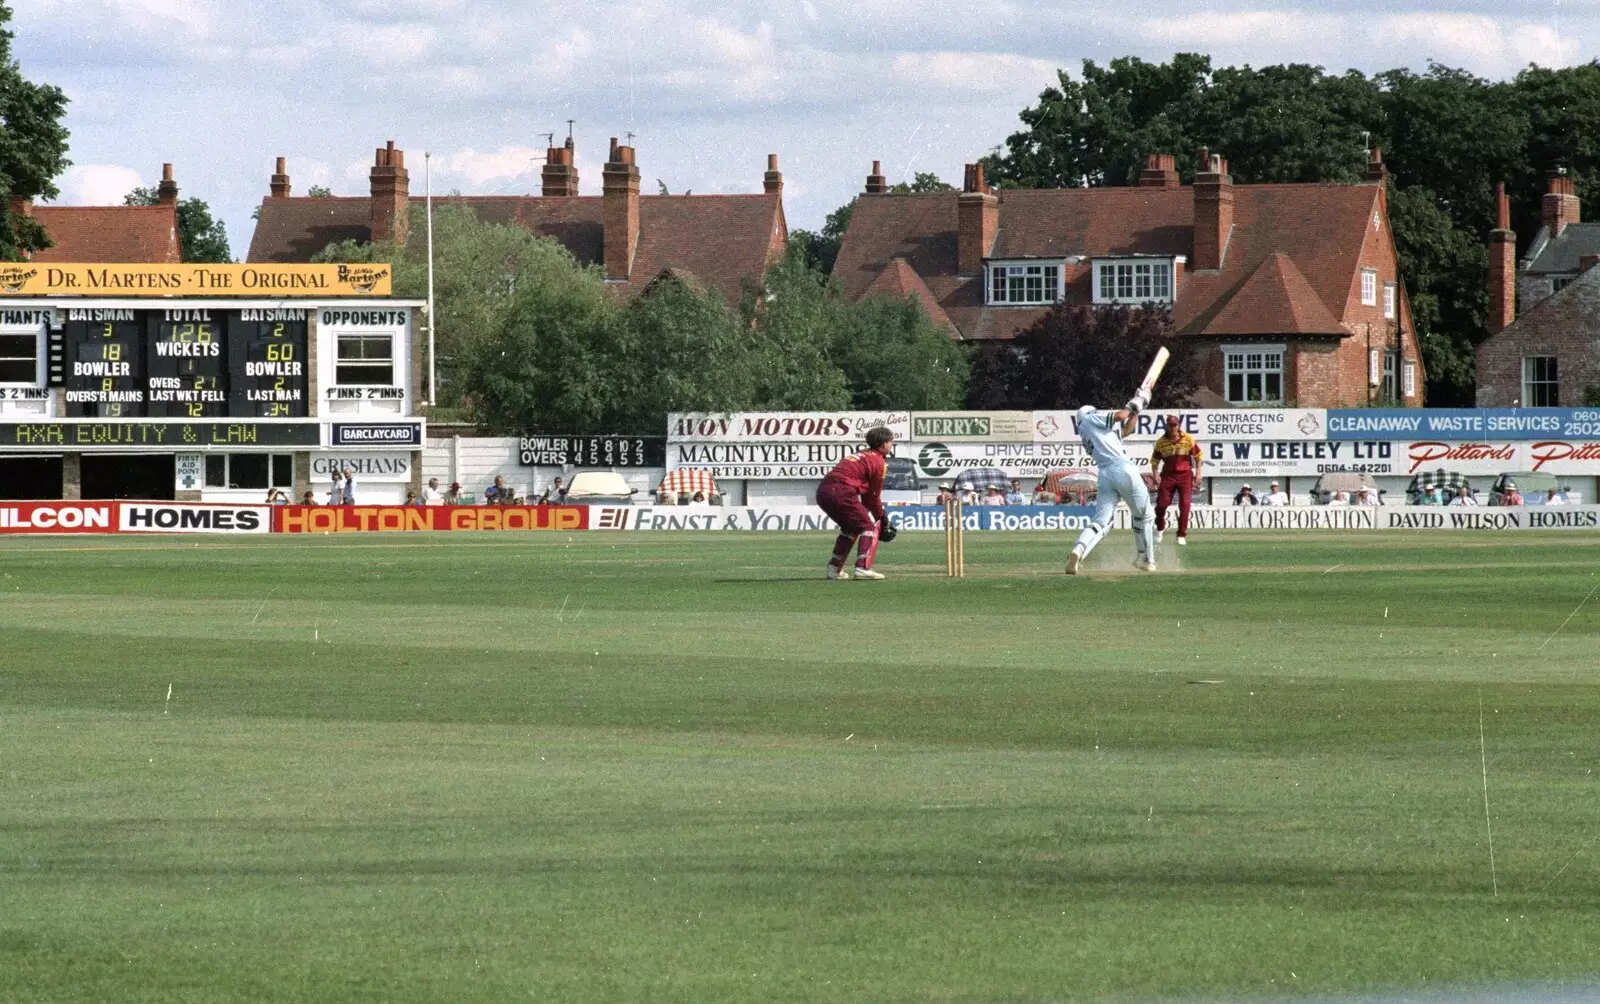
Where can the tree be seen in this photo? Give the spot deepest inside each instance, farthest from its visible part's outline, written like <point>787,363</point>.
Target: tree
<point>319,192</point>
<point>201,237</point>
<point>33,148</point>
<point>794,320</point>
<point>894,358</point>
<point>1076,355</point>
<point>682,349</point>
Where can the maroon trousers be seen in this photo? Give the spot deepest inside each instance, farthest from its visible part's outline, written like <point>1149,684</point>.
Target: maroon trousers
<point>857,526</point>
<point>1183,486</point>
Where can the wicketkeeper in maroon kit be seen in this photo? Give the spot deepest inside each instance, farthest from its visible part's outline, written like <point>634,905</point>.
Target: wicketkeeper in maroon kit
<point>1176,458</point>
<point>852,496</point>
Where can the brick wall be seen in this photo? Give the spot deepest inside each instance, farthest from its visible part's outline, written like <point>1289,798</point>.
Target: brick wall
<point>1563,327</point>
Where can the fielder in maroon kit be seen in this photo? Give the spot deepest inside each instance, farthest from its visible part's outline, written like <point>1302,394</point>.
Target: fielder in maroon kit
<point>852,496</point>
<point>1176,458</point>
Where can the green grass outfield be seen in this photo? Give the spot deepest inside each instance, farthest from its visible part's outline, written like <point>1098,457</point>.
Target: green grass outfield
<point>684,767</point>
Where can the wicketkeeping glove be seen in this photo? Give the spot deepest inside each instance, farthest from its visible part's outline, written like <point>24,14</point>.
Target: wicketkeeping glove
<point>887,533</point>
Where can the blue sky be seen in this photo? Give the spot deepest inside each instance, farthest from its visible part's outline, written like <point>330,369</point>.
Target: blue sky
<point>221,87</point>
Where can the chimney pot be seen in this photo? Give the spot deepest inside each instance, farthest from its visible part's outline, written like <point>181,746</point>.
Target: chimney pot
<point>560,174</point>
<point>1213,212</point>
<point>1560,206</point>
<point>279,184</point>
<point>389,214</point>
<point>167,191</point>
<point>620,211</point>
<point>1160,171</point>
<point>877,184</point>
<point>977,222</point>
<point>772,181</point>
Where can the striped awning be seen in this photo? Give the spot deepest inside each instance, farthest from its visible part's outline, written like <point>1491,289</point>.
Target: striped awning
<point>687,481</point>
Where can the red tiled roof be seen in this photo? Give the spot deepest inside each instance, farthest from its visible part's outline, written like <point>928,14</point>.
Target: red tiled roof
<point>900,281</point>
<point>1276,299</point>
<point>109,233</point>
<point>721,239</point>
<point>1319,229</point>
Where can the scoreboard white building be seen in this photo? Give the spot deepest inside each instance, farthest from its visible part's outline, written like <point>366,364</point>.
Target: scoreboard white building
<point>215,383</point>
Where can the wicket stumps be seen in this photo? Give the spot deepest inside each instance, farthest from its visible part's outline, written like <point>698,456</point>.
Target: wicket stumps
<point>955,546</point>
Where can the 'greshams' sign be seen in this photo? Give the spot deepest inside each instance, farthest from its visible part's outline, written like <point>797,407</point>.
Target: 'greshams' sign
<point>783,426</point>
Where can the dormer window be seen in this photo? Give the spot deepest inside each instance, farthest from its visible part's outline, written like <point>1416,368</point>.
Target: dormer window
<point>1133,280</point>
<point>1014,284</point>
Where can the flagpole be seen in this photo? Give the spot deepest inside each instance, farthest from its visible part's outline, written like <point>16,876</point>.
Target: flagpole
<point>433,373</point>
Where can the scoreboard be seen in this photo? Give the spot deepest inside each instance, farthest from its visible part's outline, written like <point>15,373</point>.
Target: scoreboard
<point>186,363</point>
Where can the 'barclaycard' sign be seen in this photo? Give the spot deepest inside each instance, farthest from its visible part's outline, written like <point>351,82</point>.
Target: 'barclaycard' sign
<point>375,434</point>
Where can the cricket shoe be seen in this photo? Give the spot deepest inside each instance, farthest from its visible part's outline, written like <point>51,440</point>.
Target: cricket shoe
<point>1144,565</point>
<point>1158,537</point>
<point>838,574</point>
<point>867,573</point>
<point>1183,541</point>
<point>1074,560</point>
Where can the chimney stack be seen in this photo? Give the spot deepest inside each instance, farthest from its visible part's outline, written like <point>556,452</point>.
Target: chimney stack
<point>280,180</point>
<point>560,174</point>
<point>1213,212</point>
<point>167,191</point>
<point>1587,261</point>
<point>877,184</point>
<point>772,181</point>
<point>1561,203</point>
<point>21,207</point>
<point>977,221</point>
<point>620,211</point>
<point>1502,264</point>
<point>1377,172</point>
<point>389,217</point>
<point>1160,171</point>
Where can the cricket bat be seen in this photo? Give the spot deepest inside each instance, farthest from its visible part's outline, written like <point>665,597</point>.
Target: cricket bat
<point>1150,378</point>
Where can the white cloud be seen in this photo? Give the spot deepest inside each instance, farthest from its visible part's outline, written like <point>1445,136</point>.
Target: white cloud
<point>98,184</point>
<point>477,169</point>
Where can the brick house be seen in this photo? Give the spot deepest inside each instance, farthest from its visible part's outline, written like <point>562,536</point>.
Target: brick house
<point>111,233</point>
<point>1544,311</point>
<point>721,240</point>
<point>1291,292</point>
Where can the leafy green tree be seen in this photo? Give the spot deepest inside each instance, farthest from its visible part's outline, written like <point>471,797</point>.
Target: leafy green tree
<point>478,268</point>
<point>1077,354</point>
<point>201,236</point>
<point>319,192</point>
<point>33,148</point>
<point>893,357</point>
<point>682,349</point>
<point>794,322</point>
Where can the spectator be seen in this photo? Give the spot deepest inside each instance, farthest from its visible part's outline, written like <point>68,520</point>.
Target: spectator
<point>664,496</point>
<point>453,496</point>
<point>1043,496</point>
<point>336,496</point>
<point>1565,495</point>
<point>969,496</point>
<point>1275,496</point>
<point>1340,497</point>
<point>1430,495</point>
<point>1367,495</point>
<point>412,499</point>
<point>431,495</point>
<point>349,485</point>
<point>1245,496</point>
<point>946,494</point>
<point>700,501</point>
<point>309,498</point>
<point>557,492</point>
<point>1552,497</point>
<point>277,497</point>
<point>498,493</point>
<point>1510,496</point>
<point>1015,496</point>
<point>1463,497</point>
<point>994,496</point>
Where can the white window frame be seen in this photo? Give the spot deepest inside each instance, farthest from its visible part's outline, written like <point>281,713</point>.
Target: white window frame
<point>40,362</point>
<point>1017,276</point>
<point>1133,280</point>
<point>1369,287</point>
<point>1391,299</point>
<point>363,336</point>
<point>1253,360</point>
<point>1552,380</point>
<point>1408,378</point>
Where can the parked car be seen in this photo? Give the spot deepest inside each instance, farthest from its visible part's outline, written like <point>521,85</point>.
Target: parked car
<point>1533,486</point>
<point>1446,482</point>
<point>901,485</point>
<point>1343,488</point>
<point>599,487</point>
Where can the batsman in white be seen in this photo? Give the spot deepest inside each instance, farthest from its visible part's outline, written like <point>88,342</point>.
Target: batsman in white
<point>1119,480</point>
